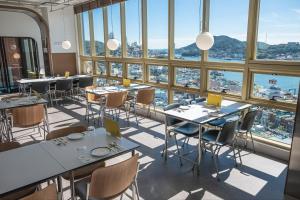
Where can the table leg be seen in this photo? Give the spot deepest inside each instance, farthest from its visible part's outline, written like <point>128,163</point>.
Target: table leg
<point>199,149</point>
<point>47,118</point>
<point>165,153</point>
<point>132,153</point>
<point>72,187</point>
<point>59,187</point>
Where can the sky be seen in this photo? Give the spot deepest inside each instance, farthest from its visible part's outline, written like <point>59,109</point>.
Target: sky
<point>279,21</point>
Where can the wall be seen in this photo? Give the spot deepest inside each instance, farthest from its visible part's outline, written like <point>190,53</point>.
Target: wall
<point>20,25</point>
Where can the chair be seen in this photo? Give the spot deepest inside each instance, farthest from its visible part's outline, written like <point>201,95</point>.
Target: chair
<point>214,140</point>
<point>246,126</point>
<point>42,88</point>
<point>48,193</point>
<point>110,182</point>
<point>112,127</point>
<point>20,193</point>
<point>144,97</point>
<point>30,116</point>
<point>85,82</point>
<point>64,87</point>
<point>81,172</point>
<point>76,87</point>
<point>91,99</point>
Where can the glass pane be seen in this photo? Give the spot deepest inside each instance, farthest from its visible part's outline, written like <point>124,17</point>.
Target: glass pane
<point>86,34</point>
<point>87,67</point>
<point>183,97</point>
<point>279,30</point>
<point>98,31</point>
<point>101,67</point>
<point>187,27</point>
<point>116,69</point>
<point>158,73</point>
<point>276,87</point>
<point>161,97</point>
<point>135,71</point>
<point>114,26</point>
<point>187,77</point>
<point>274,124</point>
<point>101,81</point>
<point>157,11</point>
<point>225,81</point>
<point>133,28</point>
<point>230,31</point>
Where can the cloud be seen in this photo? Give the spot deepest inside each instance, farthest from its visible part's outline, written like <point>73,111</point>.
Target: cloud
<point>296,11</point>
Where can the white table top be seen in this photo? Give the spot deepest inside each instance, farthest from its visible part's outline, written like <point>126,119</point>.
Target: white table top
<point>49,79</point>
<point>38,162</point>
<point>200,113</point>
<point>111,89</point>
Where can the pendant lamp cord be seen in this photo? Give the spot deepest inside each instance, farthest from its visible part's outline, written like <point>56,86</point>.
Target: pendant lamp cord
<point>139,15</point>
<point>63,12</point>
<point>200,18</point>
<point>111,19</point>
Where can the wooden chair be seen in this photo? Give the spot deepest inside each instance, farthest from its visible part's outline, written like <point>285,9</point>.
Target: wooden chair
<point>110,182</point>
<point>48,193</point>
<point>144,97</point>
<point>81,172</point>
<point>30,116</point>
<point>91,99</point>
<point>20,193</point>
<point>112,127</point>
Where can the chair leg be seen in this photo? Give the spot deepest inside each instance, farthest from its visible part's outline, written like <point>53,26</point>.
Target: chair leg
<point>252,141</point>
<point>137,190</point>
<point>178,152</point>
<point>72,188</point>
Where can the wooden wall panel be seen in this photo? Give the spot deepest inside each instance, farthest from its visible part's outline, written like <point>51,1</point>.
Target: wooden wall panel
<point>64,62</point>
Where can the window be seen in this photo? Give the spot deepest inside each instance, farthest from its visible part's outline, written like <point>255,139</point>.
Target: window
<point>135,71</point>
<point>225,81</point>
<point>101,82</point>
<point>187,27</point>
<point>133,28</point>
<point>161,97</point>
<point>114,26</point>
<point>86,34</point>
<point>228,23</point>
<point>116,69</point>
<point>98,31</point>
<point>158,73</point>
<point>183,97</point>
<point>157,11</point>
<point>276,87</point>
<point>279,30</point>
<point>274,124</point>
<point>101,68</point>
<point>187,77</point>
<point>87,67</point>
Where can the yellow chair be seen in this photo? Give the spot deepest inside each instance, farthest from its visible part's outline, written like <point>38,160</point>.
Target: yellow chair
<point>67,74</point>
<point>126,82</point>
<point>214,99</point>
<point>112,127</point>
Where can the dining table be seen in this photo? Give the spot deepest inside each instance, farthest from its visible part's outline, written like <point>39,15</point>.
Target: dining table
<point>34,164</point>
<point>5,105</point>
<point>201,114</point>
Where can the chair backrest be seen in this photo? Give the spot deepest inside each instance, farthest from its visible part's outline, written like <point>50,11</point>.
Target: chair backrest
<point>145,96</point>
<point>214,99</point>
<point>171,120</point>
<point>85,82</point>
<point>115,99</point>
<point>41,87</point>
<point>64,84</point>
<point>90,96</point>
<point>112,127</point>
<point>9,145</point>
<point>28,116</point>
<point>65,131</point>
<point>109,182</point>
<point>227,133</point>
<point>48,192</point>
<point>248,120</point>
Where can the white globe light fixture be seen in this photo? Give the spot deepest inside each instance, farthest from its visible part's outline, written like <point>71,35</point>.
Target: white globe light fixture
<point>112,44</point>
<point>16,56</point>
<point>205,40</point>
<point>66,44</point>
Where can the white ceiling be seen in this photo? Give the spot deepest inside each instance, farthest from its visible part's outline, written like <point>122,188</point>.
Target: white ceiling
<point>42,3</point>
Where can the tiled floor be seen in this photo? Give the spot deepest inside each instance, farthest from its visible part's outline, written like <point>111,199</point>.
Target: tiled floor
<point>260,177</point>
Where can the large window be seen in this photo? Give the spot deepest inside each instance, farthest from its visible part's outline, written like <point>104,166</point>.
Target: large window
<point>161,97</point>
<point>274,124</point>
<point>87,67</point>
<point>116,69</point>
<point>98,31</point>
<point>225,82</point>
<point>279,30</point>
<point>157,11</point>
<point>101,68</point>
<point>276,87</point>
<point>133,28</point>
<point>187,77</point>
<point>184,97</point>
<point>158,73</point>
<point>135,71</point>
<point>187,27</point>
<point>114,26</point>
<point>86,40</point>
<point>228,23</point>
